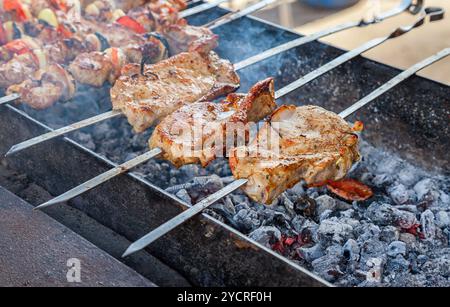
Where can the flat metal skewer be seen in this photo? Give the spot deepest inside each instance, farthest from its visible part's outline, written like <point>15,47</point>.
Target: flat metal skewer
<point>88,185</point>
<point>183,217</point>
<point>200,8</point>
<point>64,130</point>
<point>199,207</point>
<point>9,98</point>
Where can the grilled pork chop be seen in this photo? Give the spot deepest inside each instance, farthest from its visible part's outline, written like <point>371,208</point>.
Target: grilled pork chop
<point>168,85</point>
<point>298,143</point>
<point>197,132</point>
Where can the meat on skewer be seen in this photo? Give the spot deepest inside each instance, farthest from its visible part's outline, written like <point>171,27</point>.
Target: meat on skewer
<point>45,87</point>
<point>297,143</point>
<point>198,132</point>
<point>92,68</point>
<point>166,86</point>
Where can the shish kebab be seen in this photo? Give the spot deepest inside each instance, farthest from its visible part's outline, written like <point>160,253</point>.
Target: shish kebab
<point>246,171</point>
<point>405,5</point>
<point>78,68</point>
<point>160,141</point>
<point>81,73</point>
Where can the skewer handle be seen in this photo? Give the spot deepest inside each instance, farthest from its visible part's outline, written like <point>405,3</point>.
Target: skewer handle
<point>94,182</point>
<point>200,8</point>
<point>183,217</point>
<point>58,132</point>
<point>394,81</point>
<point>9,98</point>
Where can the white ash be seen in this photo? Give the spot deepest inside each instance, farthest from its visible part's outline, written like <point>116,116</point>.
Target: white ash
<point>409,206</point>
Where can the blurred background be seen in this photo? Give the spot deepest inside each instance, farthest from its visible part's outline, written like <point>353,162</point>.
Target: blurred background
<point>309,16</point>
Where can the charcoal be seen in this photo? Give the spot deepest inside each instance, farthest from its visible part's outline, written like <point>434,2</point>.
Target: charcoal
<point>407,176</point>
<point>327,267</point>
<point>305,206</point>
<point>382,180</point>
<point>381,214</point>
<point>351,250</point>
<point>405,219</point>
<point>367,231</point>
<point>397,264</point>
<point>427,191</point>
<point>408,238</point>
<point>225,206</point>
<point>442,219</point>
<point>332,230</point>
<point>428,225</point>
<point>325,215</point>
<point>266,235</point>
<point>438,266</point>
<point>184,196</point>
<point>389,234</point>
<point>297,223</point>
<point>396,248</point>
<point>410,208</point>
<point>324,202</point>
<point>311,253</point>
<point>247,220</point>
<point>401,195</point>
<point>350,213</point>
<point>241,206</point>
<point>297,189</point>
<point>375,270</point>
<point>421,259</point>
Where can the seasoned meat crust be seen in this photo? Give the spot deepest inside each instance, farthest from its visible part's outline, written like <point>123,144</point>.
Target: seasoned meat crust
<point>170,84</point>
<point>197,133</point>
<point>298,143</point>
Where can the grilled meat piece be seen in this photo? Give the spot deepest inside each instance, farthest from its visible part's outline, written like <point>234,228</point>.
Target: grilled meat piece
<point>198,132</point>
<point>95,68</point>
<point>168,85</point>
<point>91,68</point>
<point>183,37</point>
<point>44,88</point>
<point>298,143</point>
<point>18,69</point>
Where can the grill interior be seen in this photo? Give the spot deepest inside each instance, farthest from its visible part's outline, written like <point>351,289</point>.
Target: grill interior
<point>404,127</point>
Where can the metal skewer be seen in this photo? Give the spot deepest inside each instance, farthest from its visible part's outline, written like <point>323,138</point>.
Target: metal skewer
<point>282,92</point>
<point>200,8</point>
<point>110,114</point>
<point>9,98</point>
<point>88,185</point>
<point>64,130</point>
<point>199,207</point>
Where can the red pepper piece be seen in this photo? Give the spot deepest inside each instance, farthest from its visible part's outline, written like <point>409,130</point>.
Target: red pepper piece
<point>131,24</point>
<point>350,189</point>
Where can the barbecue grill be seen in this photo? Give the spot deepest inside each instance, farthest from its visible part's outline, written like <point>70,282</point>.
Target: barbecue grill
<point>205,250</point>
